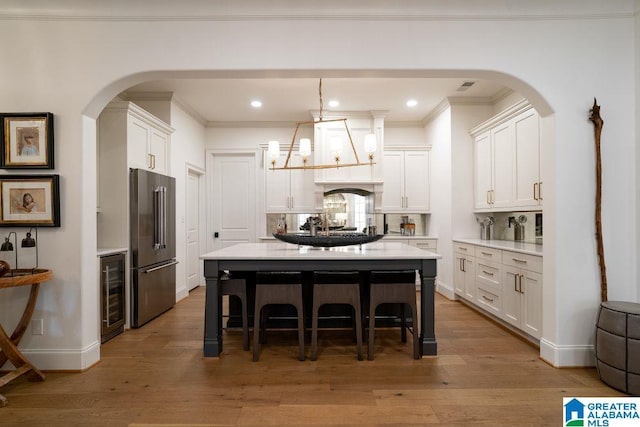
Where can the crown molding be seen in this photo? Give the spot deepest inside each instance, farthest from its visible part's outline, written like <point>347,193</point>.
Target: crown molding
<point>335,10</point>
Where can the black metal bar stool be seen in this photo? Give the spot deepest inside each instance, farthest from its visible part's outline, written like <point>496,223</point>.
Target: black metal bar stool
<point>394,287</point>
<point>277,288</point>
<point>231,285</point>
<point>336,287</point>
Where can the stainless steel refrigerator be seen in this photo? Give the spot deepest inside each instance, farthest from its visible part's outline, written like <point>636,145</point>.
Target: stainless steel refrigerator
<point>153,248</point>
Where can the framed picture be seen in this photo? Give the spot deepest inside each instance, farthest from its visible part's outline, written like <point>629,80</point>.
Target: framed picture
<point>27,141</point>
<point>29,200</point>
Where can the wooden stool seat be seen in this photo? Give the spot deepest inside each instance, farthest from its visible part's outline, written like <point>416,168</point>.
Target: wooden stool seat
<point>238,287</point>
<point>394,287</point>
<point>336,288</point>
<point>277,288</point>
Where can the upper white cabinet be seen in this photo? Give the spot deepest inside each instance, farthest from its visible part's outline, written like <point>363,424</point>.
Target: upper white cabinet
<point>289,190</point>
<point>146,137</point>
<point>406,181</point>
<point>507,161</point>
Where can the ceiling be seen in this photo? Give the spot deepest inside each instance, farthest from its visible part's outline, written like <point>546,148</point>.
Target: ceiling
<point>292,99</point>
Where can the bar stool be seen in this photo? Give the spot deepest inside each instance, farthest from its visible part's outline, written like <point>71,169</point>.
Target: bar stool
<point>231,285</point>
<point>336,287</point>
<point>394,287</point>
<point>277,288</point>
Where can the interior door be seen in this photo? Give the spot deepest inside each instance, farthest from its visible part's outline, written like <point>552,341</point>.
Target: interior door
<point>193,208</point>
<point>233,199</point>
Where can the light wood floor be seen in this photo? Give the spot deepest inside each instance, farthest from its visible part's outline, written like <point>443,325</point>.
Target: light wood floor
<point>156,375</point>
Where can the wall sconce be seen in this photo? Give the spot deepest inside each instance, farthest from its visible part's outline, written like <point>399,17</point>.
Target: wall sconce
<point>370,146</point>
<point>30,247</point>
<point>7,252</point>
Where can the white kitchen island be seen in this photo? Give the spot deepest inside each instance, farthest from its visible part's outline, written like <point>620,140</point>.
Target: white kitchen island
<point>252,257</point>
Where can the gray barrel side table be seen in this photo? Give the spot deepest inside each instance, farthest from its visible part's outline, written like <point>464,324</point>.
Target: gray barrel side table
<point>618,345</point>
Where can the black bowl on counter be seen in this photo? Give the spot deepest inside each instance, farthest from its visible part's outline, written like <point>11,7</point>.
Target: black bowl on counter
<point>332,240</point>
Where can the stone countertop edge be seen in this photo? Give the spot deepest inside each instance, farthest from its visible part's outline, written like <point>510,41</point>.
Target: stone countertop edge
<point>111,251</point>
<point>507,245</point>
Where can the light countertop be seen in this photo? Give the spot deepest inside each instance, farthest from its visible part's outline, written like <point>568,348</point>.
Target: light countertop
<point>280,250</point>
<point>508,245</point>
<point>110,251</point>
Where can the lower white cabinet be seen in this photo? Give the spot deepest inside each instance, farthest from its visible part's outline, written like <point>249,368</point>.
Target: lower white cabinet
<point>464,271</point>
<point>504,283</point>
<point>522,292</point>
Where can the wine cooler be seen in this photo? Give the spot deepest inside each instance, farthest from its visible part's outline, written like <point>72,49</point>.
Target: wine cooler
<point>112,270</point>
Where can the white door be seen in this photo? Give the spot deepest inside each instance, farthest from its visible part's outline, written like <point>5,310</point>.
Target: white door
<point>193,209</point>
<point>233,199</point>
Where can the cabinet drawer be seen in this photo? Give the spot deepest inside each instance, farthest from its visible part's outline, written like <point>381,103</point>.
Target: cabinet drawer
<point>523,261</point>
<point>430,245</point>
<point>489,301</point>
<point>488,275</point>
<point>463,248</point>
<point>490,254</point>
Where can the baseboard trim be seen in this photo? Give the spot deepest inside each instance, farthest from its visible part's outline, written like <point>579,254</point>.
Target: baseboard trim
<point>62,359</point>
<point>567,356</point>
<point>445,290</point>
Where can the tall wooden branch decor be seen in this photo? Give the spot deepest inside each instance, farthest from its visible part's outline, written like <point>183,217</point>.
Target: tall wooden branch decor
<point>597,125</point>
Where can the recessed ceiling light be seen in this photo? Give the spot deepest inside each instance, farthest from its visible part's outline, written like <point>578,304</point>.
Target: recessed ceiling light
<point>412,103</point>
<point>334,103</point>
<point>256,103</point>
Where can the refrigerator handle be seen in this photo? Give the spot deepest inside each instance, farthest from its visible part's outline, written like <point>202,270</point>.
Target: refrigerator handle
<point>160,217</point>
<point>151,270</point>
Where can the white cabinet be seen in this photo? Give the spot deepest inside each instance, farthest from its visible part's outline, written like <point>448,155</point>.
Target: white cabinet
<point>522,292</point>
<point>289,190</point>
<point>504,283</point>
<point>528,184</point>
<point>430,245</point>
<point>406,181</point>
<point>507,161</point>
<point>464,273</point>
<point>145,136</point>
<point>488,279</point>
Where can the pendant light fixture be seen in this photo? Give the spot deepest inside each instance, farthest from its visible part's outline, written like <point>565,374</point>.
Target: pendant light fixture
<point>335,146</point>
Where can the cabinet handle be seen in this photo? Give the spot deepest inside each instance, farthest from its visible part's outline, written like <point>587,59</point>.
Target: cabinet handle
<point>515,283</point>
<point>150,158</point>
<point>488,201</point>
<point>106,296</point>
<point>535,191</point>
<point>488,273</point>
<point>488,299</point>
<point>540,190</point>
<point>461,248</point>
<point>462,262</point>
<point>521,261</point>
<point>487,253</point>
<point>520,284</point>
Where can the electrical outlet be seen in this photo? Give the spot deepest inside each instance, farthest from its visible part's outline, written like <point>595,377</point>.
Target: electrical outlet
<point>37,327</point>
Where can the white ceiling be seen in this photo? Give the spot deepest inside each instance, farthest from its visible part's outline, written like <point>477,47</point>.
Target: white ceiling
<point>292,99</point>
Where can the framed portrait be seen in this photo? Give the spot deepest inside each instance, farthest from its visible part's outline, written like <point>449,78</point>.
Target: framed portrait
<point>27,141</point>
<point>29,200</point>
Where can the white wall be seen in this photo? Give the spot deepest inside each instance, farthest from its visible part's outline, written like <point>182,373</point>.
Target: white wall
<point>187,151</point>
<point>73,67</point>
<point>438,135</point>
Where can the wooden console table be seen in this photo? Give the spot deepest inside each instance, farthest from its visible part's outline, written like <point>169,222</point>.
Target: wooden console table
<point>9,344</point>
<point>287,257</point>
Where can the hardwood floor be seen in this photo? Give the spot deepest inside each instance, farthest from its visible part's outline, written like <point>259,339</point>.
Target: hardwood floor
<point>157,375</point>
